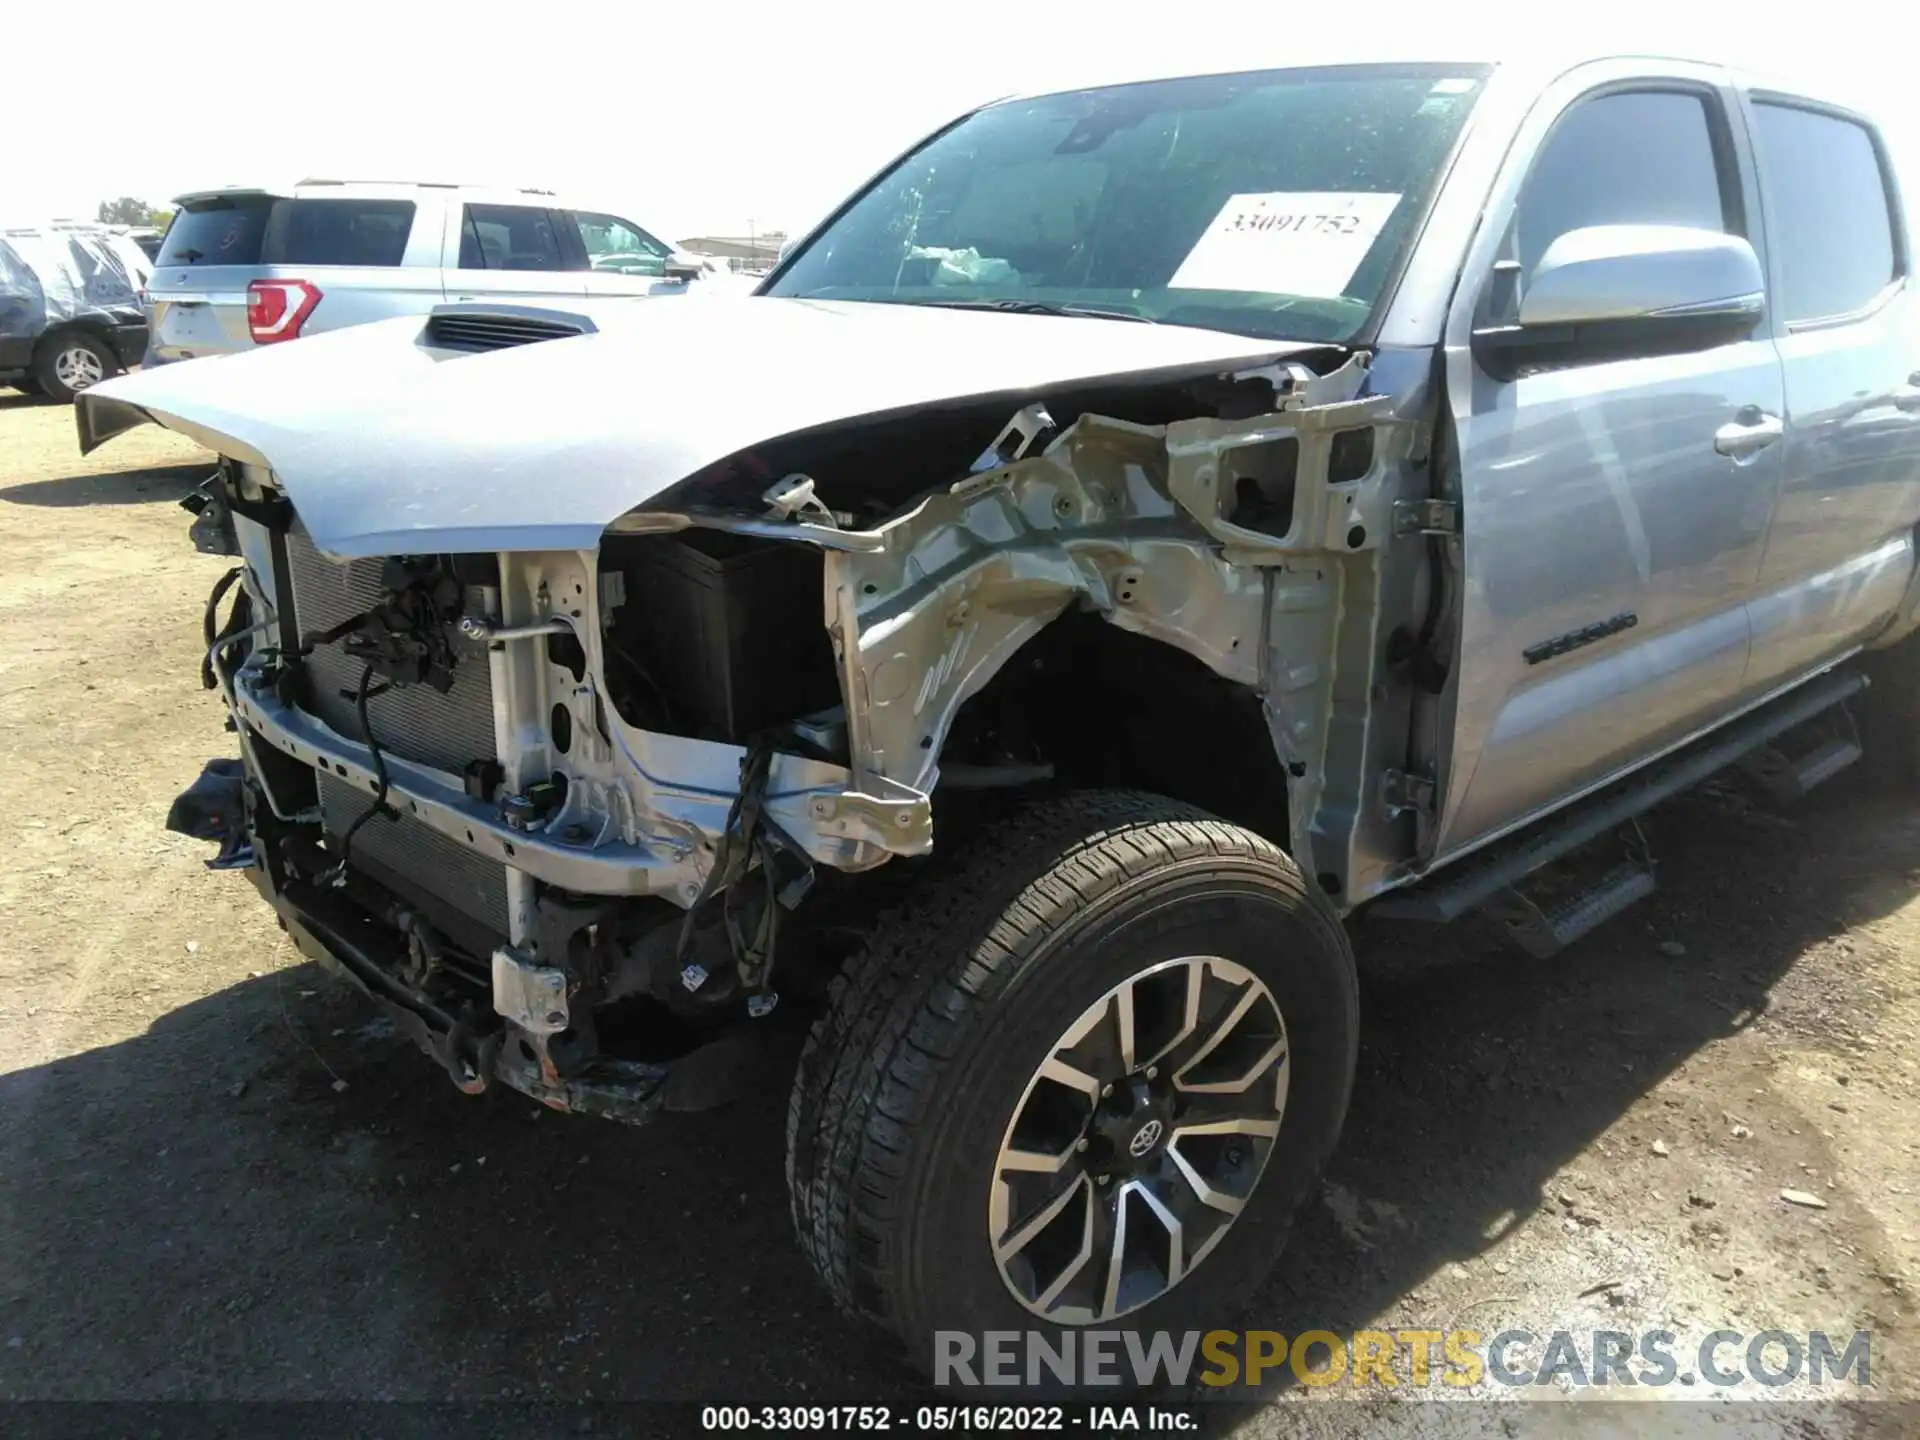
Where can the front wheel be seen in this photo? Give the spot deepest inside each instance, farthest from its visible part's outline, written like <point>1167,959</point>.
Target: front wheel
<point>72,361</point>
<point>1088,1073</point>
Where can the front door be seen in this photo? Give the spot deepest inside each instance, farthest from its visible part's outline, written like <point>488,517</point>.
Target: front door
<point>1610,549</point>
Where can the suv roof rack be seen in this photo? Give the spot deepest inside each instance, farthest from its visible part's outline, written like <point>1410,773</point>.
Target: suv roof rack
<point>428,184</point>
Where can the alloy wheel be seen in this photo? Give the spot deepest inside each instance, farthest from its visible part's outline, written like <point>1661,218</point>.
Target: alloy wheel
<point>77,367</point>
<point>1139,1140</point>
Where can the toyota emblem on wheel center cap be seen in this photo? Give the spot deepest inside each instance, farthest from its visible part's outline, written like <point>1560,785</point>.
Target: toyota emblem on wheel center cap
<point>1144,1139</point>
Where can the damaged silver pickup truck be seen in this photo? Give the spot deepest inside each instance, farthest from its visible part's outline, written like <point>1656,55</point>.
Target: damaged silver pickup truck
<point>1141,529</point>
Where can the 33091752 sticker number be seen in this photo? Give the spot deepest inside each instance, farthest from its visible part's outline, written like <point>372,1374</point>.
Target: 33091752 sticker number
<point>1286,243</point>
<point>1315,224</point>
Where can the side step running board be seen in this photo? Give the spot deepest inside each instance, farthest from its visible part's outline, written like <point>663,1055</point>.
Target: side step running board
<point>1545,933</point>
<point>1452,894</point>
<point>1789,777</point>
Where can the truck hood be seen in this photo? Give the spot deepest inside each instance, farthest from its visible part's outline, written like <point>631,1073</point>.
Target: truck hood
<point>387,445</point>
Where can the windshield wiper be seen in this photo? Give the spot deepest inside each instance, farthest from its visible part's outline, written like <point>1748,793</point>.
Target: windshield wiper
<point>1038,307</point>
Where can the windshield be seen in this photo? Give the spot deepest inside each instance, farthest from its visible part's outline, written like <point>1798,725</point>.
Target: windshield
<point>1275,204</point>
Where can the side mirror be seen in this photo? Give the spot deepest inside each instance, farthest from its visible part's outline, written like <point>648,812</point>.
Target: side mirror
<point>683,266</point>
<point>1618,291</point>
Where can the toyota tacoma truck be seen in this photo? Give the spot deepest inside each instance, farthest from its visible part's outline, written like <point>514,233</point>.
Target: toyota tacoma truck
<point>1141,530</point>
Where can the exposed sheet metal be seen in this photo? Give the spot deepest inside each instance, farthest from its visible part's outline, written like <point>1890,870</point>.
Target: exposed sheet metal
<point>385,445</point>
<point>1137,523</point>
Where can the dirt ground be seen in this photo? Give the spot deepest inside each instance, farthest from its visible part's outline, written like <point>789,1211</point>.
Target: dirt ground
<point>221,1177</point>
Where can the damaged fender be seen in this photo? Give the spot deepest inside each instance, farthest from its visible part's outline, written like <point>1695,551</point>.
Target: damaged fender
<point>1139,524</point>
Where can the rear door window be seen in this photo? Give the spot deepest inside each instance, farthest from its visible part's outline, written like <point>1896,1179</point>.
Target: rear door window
<point>337,232</point>
<point>1832,223</point>
<point>225,230</point>
<point>513,237</point>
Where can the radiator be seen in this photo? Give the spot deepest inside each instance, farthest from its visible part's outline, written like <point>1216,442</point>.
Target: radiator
<point>413,857</point>
<point>414,721</point>
<point>417,722</point>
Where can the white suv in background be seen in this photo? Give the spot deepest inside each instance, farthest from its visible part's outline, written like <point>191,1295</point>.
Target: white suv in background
<point>247,267</point>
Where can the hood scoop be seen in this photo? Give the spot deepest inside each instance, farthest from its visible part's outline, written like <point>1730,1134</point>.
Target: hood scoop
<point>471,328</point>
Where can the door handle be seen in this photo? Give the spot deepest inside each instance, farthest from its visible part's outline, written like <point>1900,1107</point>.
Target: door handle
<point>1750,431</point>
<point>1907,397</point>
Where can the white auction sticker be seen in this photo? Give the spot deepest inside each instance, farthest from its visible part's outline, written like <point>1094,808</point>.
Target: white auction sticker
<point>1286,243</point>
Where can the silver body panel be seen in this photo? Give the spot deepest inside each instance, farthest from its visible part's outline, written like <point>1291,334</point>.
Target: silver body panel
<point>1590,493</point>
<point>1840,548</point>
<point>1597,491</point>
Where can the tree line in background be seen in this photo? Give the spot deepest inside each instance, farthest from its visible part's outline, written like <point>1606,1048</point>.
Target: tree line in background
<point>128,210</point>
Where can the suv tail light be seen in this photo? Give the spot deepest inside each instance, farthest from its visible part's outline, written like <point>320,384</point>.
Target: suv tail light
<point>276,309</point>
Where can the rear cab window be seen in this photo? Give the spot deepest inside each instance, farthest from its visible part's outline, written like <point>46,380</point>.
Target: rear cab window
<point>1829,209</point>
<point>269,230</point>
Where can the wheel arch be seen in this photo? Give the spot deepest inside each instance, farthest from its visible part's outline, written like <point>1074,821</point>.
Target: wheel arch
<point>86,325</point>
<point>1115,708</point>
<point>929,612</point>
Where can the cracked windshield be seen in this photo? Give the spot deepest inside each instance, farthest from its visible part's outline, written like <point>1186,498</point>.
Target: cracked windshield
<point>1275,204</point>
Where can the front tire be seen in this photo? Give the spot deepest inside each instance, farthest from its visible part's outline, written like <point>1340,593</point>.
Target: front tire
<point>71,361</point>
<point>985,1135</point>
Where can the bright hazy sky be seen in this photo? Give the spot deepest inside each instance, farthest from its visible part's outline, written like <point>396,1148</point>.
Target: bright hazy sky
<point>698,118</point>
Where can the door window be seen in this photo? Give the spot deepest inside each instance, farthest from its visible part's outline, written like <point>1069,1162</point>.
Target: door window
<point>619,246</point>
<point>337,232</point>
<point>1832,224</point>
<point>1634,157</point>
<point>511,237</point>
